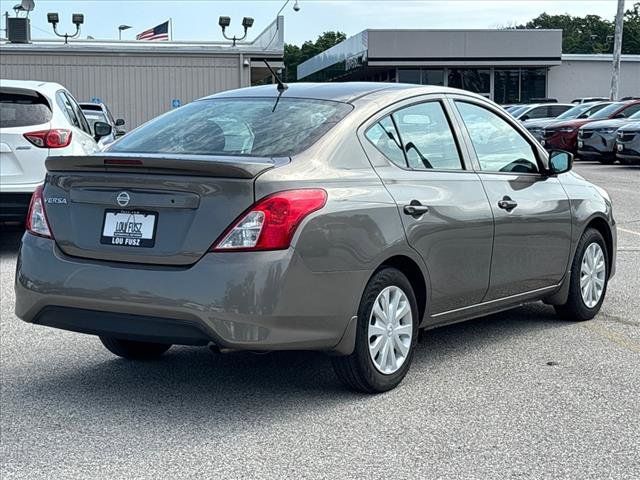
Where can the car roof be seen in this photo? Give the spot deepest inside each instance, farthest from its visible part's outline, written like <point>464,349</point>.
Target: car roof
<point>340,92</point>
<point>47,88</point>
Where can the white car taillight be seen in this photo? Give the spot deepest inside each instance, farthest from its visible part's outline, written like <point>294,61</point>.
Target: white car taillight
<point>272,221</point>
<point>37,218</point>
<point>54,138</point>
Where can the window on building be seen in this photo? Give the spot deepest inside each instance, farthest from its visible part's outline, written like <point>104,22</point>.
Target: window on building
<point>506,87</point>
<point>477,80</point>
<point>533,83</point>
<point>409,75</point>
<point>433,77</point>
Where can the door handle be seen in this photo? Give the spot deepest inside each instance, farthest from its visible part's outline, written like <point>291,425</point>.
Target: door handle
<point>415,209</point>
<point>507,204</point>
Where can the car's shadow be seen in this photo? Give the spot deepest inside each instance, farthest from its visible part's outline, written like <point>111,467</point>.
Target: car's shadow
<point>192,383</point>
<point>10,236</point>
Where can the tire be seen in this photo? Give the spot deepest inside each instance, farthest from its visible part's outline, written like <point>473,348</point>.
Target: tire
<point>607,160</point>
<point>576,308</point>
<point>358,370</point>
<point>133,350</point>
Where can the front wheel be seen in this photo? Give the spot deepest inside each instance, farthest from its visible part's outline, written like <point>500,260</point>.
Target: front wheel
<point>386,335</point>
<point>133,350</point>
<point>589,278</point>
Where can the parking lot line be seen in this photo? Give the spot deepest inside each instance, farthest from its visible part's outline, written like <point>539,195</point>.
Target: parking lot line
<point>616,338</point>
<point>629,231</point>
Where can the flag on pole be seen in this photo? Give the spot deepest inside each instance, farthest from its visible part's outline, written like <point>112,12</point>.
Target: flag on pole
<point>159,33</point>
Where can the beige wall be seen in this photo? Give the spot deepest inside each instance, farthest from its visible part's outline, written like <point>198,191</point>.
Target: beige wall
<point>586,78</point>
<point>136,87</point>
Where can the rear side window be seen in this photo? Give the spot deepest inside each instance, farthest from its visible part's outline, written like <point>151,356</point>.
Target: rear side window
<point>423,140</point>
<point>385,138</point>
<point>255,127</point>
<point>427,137</point>
<point>23,110</point>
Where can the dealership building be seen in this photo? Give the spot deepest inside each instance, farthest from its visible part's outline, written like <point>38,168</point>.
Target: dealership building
<point>508,66</point>
<point>139,80</point>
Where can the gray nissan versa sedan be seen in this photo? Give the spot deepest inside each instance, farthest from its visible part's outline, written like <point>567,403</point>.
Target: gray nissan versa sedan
<point>331,217</point>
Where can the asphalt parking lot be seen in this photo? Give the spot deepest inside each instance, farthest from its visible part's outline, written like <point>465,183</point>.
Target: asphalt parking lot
<point>518,394</point>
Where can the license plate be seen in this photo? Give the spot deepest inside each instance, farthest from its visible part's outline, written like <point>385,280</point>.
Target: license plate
<point>129,228</point>
<point>620,147</point>
<point>580,144</point>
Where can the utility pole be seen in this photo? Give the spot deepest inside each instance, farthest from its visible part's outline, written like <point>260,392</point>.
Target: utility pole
<point>617,51</point>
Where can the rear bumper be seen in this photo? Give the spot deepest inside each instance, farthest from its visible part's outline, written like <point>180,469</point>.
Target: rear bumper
<point>241,300</point>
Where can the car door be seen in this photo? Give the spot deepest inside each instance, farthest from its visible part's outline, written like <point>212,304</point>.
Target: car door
<point>444,209</point>
<point>82,139</point>
<point>532,214</point>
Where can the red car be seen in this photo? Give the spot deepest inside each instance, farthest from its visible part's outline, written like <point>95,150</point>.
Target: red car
<point>564,135</point>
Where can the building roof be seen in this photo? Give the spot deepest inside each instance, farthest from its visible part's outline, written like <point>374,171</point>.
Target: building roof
<point>378,47</point>
<point>597,57</point>
<point>268,43</point>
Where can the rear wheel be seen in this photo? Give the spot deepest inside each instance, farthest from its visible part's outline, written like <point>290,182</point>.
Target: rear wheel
<point>607,160</point>
<point>386,335</point>
<point>589,278</point>
<point>133,350</point>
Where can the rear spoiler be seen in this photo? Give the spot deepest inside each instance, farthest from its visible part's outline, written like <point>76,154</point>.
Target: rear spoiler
<point>199,165</point>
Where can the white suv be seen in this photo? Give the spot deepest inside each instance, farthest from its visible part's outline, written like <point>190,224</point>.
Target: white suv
<point>37,119</point>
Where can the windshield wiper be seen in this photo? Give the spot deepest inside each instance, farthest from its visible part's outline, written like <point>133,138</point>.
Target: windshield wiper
<point>281,85</point>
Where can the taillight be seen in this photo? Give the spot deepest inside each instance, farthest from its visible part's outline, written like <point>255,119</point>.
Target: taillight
<point>55,138</point>
<point>37,218</point>
<point>272,221</point>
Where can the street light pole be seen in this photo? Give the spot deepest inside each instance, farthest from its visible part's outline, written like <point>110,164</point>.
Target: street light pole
<point>617,51</point>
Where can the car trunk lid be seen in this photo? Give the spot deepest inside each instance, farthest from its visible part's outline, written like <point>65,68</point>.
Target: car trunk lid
<point>149,209</point>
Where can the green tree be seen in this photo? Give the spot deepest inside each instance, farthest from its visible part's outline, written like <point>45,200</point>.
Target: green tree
<point>294,55</point>
<point>592,33</point>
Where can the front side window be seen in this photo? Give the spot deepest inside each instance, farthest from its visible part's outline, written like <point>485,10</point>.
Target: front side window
<point>498,146</point>
<point>254,127</point>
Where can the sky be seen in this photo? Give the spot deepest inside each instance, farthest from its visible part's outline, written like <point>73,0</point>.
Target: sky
<point>198,19</point>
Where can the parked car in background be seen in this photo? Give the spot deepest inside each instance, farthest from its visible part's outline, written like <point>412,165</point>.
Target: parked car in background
<point>563,135</point>
<point>583,110</point>
<point>590,99</point>
<point>335,217</point>
<point>628,144</point>
<point>37,119</point>
<point>99,112</point>
<point>540,111</point>
<point>597,140</point>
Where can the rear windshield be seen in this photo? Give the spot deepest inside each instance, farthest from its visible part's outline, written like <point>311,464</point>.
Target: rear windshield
<point>236,127</point>
<point>22,110</point>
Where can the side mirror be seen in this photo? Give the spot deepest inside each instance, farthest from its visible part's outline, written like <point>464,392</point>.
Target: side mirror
<point>620,115</point>
<point>119,122</point>
<point>560,162</point>
<point>101,129</point>
<point>524,118</point>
